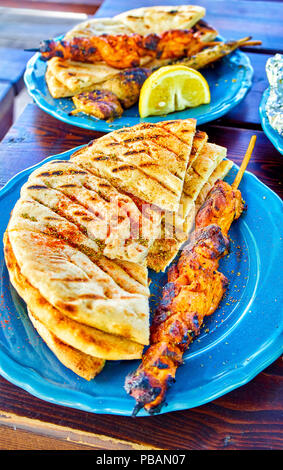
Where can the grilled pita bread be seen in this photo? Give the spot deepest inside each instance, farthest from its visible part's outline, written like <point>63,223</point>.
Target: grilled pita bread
<point>77,287</point>
<point>164,250</point>
<point>186,204</point>
<point>200,139</point>
<point>143,21</point>
<point>110,219</point>
<point>157,19</point>
<point>205,31</point>
<point>219,173</point>
<point>185,131</point>
<point>76,76</point>
<point>98,26</point>
<point>199,172</point>
<point>29,215</point>
<point>56,88</point>
<point>82,364</point>
<point>148,160</point>
<point>84,338</point>
<point>206,158</point>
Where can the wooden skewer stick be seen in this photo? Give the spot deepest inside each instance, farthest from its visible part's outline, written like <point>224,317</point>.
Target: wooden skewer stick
<point>245,162</point>
<point>252,43</point>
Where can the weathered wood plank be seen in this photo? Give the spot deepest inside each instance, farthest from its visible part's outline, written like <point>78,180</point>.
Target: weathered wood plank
<point>24,433</point>
<point>250,417</point>
<point>78,6</point>
<point>12,66</point>
<point>36,135</point>
<point>23,29</point>
<point>6,107</point>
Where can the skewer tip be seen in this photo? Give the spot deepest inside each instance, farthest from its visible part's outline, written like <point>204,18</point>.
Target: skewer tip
<point>136,409</point>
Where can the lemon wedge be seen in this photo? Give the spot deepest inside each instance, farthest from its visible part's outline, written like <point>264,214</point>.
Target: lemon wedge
<point>172,88</point>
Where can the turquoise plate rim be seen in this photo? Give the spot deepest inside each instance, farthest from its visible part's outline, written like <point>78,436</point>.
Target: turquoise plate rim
<point>34,383</point>
<point>275,138</point>
<point>103,126</point>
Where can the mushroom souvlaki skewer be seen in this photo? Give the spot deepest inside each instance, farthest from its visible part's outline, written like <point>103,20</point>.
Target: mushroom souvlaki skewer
<point>194,289</point>
<point>215,52</point>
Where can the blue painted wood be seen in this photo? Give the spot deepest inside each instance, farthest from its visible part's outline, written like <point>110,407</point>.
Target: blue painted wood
<point>12,67</point>
<point>6,107</point>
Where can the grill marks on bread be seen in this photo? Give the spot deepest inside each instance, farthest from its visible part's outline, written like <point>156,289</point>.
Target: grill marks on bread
<point>51,265</point>
<point>88,340</point>
<point>146,160</point>
<point>106,216</point>
<point>32,216</point>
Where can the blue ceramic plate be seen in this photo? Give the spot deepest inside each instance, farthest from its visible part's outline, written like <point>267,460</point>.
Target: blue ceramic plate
<point>271,133</point>
<point>242,337</point>
<point>229,80</point>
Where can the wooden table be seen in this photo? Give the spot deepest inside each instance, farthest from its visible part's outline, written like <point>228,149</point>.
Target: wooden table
<point>250,417</point>
<point>6,106</point>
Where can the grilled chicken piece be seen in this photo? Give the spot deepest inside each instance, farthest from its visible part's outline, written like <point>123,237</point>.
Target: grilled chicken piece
<point>126,85</point>
<point>101,104</point>
<point>193,291</point>
<point>108,99</point>
<point>125,51</point>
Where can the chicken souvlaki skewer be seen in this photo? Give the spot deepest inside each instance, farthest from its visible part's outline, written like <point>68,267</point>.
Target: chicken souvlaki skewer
<point>193,291</point>
<point>126,51</point>
<point>130,50</point>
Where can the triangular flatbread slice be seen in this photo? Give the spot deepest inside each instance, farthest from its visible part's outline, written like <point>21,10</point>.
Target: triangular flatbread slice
<point>55,87</point>
<point>165,249</point>
<point>97,27</point>
<point>145,20</point>
<point>219,173</point>
<point>111,219</point>
<point>83,337</point>
<point>82,364</point>
<point>78,76</point>
<point>202,167</point>
<point>200,139</point>
<point>187,133</point>
<point>29,215</point>
<point>148,161</point>
<point>157,19</point>
<point>87,339</point>
<point>78,287</point>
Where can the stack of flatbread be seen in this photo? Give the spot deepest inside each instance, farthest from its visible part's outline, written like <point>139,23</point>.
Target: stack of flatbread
<point>66,78</point>
<point>84,232</point>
